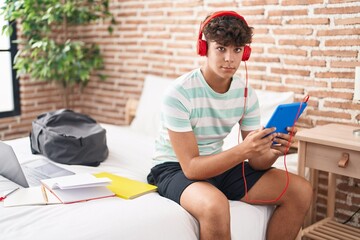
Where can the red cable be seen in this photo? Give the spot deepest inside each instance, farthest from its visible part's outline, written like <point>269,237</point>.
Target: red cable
<point>286,170</point>
<point>245,97</point>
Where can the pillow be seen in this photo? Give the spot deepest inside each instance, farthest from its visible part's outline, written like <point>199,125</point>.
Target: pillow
<point>268,101</point>
<point>147,118</point>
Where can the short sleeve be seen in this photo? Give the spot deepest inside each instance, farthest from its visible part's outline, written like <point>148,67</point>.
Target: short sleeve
<point>251,120</point>
<point>175,111</point>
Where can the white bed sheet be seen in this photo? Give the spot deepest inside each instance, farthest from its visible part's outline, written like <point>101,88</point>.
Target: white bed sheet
<point>148,217</point>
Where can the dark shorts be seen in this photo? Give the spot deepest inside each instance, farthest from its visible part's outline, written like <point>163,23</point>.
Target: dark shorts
<point>171,181</point>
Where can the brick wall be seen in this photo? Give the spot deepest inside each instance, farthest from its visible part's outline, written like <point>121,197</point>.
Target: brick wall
<point>308,46</point>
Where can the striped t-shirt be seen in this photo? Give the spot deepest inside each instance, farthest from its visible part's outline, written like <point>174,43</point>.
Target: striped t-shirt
<point>190,104</point>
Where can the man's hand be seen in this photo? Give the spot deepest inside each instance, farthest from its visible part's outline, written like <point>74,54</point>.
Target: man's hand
<point>258,143</point>
<point>284,141</point>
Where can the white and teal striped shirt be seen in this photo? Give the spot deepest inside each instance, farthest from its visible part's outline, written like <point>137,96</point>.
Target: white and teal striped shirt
<point>190,104</point>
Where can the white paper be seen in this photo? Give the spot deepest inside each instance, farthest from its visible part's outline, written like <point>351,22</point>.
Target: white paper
<point>82,194</point>
<point>75,181</point>
<point>31,196</point>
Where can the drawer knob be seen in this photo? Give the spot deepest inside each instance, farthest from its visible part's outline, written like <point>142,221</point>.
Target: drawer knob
<point>344,160</point>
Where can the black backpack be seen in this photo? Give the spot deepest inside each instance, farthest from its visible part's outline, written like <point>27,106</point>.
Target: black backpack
<point>68,137</point>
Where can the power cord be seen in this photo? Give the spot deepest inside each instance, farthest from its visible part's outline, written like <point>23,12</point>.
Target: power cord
<point>286,170</point>
<point>350,218</point>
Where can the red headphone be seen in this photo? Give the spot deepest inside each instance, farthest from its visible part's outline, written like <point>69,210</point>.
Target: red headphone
<point>202,44</point>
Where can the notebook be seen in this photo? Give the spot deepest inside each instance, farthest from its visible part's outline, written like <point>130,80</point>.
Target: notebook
<point>69,189</point>
<point>126,188</point>
<point>78,188</point>
<point>82,180</point>
<point>31,196</point>
<point>30,173</point>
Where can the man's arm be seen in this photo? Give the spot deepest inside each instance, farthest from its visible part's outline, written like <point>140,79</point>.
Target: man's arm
<point>204,167</point>
<point>266,160</point>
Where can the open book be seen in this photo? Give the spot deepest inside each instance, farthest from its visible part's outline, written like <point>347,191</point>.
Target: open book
<point>31,196</point>
<point>125,187</point>
<point>84,180</point>
<point>25,196</point>
<point>78,187</point>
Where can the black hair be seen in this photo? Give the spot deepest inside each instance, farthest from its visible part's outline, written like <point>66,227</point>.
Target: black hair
<point>228,30</point>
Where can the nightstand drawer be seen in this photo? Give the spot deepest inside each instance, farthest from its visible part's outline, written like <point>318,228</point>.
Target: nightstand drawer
<point>326,158</point>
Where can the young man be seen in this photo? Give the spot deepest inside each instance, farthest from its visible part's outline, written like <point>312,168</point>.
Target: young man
<point>199,110</point>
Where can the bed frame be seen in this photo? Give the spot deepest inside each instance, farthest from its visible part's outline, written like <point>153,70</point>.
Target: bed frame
<point>130,110</point>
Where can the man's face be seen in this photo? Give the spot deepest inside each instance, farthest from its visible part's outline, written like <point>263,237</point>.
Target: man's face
<point>224,60</point>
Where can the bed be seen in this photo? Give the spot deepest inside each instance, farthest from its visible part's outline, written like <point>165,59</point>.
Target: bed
<point>147,217</point>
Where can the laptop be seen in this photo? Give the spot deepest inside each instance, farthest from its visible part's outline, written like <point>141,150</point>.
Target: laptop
<point>29,173</point>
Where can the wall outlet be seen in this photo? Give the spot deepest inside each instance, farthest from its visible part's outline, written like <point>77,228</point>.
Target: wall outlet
<point>357,84</point>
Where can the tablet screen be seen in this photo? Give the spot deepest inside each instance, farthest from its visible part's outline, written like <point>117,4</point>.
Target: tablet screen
<point>284,116</point>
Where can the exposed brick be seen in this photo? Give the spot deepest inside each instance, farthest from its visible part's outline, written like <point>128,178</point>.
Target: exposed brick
<point>290,71</point>
<point>345,85</point>
<point>343,42</point>
<point>329,114</point>
<point>251,12</point>
<point>330,94</point>
<point>16,134</point>
<point>183,4</point>
<point>305,62</point>
<point>265,78</point>
<point>259,2</point>
<point>303,82</point>
<point>343,64</point>
<point>300,43</point>
<point>337,10</point>
<point>264,40</point>
<point>255,49</point>
<point>281,13</point>
<point>310,21</point>
<point>174,14</point>
<point>319,122</point>
<point>265,59</point>
<point>349,75</point>
<point>256,68</point>
<point>300,2</point>
<point>166,4</point>
<point>305,121</point>
<point>288,51</point>
<point>261,31</point>
<point>252,21</point>
<point>289,31</point>
<point>335,53</point>
<point>342,105</point>
<point>149,44</point>
<point>339,32</point>
<point>222,4</point>
<point>285,88</point>
<point>347,21</point>
<point>342,1</point>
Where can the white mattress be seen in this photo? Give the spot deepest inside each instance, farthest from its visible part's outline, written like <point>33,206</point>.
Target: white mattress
<point>148,217</point>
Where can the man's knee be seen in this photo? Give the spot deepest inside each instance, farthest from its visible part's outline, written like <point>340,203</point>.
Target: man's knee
<point>307,192</point>
<point>216,206</point>
<point>302,192</point>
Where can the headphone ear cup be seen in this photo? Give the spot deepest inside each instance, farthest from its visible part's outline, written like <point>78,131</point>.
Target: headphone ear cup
<point>202,47</point>
<point>246,54</point>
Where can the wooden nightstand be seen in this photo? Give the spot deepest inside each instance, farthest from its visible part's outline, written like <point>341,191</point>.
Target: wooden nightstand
<point>334,149</point>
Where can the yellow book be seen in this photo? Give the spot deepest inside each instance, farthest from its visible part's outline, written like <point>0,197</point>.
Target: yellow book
<point>125,187</point>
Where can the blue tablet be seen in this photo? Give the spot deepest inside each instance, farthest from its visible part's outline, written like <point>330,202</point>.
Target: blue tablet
<point>284,116</point>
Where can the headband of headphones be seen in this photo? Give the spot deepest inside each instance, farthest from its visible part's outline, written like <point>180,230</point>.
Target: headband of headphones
<point>202,44</point>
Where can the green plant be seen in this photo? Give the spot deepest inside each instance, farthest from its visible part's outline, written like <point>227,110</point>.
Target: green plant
<point>49,51</point>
